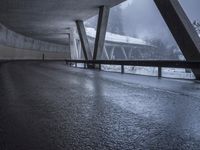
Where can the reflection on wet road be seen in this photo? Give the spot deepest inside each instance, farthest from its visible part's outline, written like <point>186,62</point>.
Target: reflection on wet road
<point>50,106</point>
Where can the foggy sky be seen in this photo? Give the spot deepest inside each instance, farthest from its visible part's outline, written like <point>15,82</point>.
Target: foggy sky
<point>145,21</point>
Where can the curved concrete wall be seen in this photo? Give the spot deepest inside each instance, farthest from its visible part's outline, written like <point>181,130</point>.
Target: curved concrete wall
<point>10,53</point>
<point>16,46</point>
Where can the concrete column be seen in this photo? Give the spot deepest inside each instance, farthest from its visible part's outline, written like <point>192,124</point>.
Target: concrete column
<point>101,31</point>
<point>84,40</point>
<point>79,49</point>
<point>182,30</point>
<point>73,46</point>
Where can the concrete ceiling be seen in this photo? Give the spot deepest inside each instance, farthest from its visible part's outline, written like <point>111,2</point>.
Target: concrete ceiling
<point>48,20</point>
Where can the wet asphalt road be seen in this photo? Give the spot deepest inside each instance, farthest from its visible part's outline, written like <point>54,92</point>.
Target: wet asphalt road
<point>49,106</point>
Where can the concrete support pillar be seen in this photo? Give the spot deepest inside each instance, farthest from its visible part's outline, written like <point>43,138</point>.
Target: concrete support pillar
<point>101,31</point>
<point>84,40</point>
<point>79,49</point>
<point>182,30</point>
<point>73,45</point>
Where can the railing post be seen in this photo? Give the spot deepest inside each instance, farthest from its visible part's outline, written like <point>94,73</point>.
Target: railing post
<point>85,66</point>
<point>43,56</point>
<point>76,64</point>
<point>159,72</point>
<point>122,69</point>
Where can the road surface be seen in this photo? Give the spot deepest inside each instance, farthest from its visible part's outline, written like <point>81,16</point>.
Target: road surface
<point>49,106</point>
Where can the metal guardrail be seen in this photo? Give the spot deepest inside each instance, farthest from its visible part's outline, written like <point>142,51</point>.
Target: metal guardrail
<point>144,63</point>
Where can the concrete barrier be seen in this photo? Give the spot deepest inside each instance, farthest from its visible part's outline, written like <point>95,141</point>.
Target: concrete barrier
<point>14,46</point>
<point>10,53</point>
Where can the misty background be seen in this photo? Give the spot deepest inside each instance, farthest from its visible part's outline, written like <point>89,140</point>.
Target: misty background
<point>141,19</point>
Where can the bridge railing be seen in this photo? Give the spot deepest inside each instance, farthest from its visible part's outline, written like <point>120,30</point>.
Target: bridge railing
<point>145,63</point>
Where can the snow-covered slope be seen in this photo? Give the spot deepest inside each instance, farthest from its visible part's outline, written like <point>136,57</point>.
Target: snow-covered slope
<point>111,37</point>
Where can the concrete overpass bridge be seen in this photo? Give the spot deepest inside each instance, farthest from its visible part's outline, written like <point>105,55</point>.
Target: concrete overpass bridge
<point>113,44</point>
<point>47,105</point>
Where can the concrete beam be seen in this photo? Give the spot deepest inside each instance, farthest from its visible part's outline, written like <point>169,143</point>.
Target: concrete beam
<point>182,30</point>
<point>84,40</point>
<point>101,31</point>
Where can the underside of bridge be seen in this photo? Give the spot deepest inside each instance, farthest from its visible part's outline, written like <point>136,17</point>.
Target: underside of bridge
<point>46,105</point>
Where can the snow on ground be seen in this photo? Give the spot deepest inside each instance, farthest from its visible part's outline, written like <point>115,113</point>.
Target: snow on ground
<point>152,71</point>
<point>177,73</point>
<point>149,71</point>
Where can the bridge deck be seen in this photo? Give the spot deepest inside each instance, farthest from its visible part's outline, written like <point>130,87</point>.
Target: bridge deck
<point>54,107</point>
